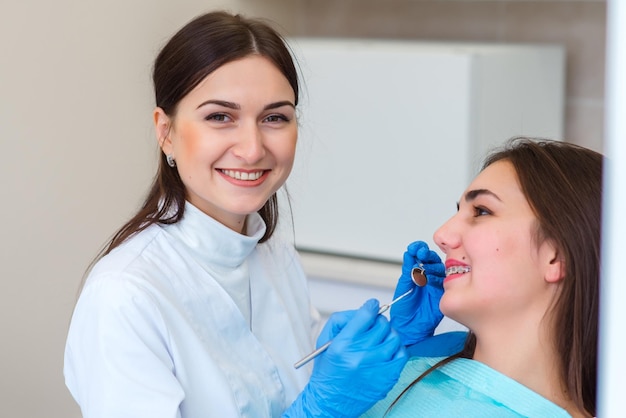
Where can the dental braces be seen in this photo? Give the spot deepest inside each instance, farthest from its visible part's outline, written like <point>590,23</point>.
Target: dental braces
<point>458,269</point>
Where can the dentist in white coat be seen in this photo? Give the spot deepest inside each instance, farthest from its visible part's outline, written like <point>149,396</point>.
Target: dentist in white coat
<point>192,311</point>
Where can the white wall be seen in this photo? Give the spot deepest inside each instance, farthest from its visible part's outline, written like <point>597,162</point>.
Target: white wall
<point>77,154</point>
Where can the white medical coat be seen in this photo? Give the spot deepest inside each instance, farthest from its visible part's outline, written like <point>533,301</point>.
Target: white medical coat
<point>191,320</point>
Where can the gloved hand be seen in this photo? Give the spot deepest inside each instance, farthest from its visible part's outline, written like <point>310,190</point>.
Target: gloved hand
<point>416,316</point>
<point>361,365</point>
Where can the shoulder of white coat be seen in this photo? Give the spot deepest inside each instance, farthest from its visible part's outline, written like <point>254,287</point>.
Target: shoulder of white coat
<point>119,304</point>
<point>126,281</point>
<point>126,260</point>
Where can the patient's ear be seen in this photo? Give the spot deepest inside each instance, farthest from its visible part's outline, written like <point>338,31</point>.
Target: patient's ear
<point>555,264</point>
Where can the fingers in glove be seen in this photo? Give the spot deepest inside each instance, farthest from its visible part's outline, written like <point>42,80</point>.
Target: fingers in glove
<point>364,318</point>
<point>434,269</point>
<point>390,348</point>
<point>373,336</point>
<point>336,322</point>
<point>415,246</point>
<point>426,255</point>
<point>377,345</point>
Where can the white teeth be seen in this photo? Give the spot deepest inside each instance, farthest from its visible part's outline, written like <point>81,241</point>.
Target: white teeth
<point>457,270</point>
<point>240,175</point>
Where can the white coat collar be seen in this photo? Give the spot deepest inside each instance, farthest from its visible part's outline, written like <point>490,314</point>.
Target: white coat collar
<point>214,242</point>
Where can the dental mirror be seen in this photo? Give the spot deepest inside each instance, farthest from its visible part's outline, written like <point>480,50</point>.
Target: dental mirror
<point>418,276</point>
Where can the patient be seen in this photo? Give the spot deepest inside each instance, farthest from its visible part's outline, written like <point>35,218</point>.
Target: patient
<point>522,273</point>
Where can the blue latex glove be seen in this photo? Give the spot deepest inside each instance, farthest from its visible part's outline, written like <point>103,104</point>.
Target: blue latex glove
<point>441,345</point>
<point>361,365</point>
<point>416,316</point>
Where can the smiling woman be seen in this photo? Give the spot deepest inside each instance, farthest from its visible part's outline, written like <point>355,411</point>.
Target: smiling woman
<point>491,234</point>
<point>233,138</point>
<point>522,273</point>
<point>192,311</point>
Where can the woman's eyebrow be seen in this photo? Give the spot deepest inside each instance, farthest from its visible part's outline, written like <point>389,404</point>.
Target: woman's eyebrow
<point>279,104</point>
<point>235,106</point>
<point>223,103</point>
<point>473,194</point>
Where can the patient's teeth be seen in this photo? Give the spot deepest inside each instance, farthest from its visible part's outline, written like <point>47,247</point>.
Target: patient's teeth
<point>457,270</point>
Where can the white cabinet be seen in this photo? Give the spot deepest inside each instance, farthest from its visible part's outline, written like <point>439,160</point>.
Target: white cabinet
<point>391,133</point>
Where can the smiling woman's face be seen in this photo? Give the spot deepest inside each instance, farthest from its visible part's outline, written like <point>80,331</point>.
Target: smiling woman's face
<point>493,235</point>
<point>233,138</point>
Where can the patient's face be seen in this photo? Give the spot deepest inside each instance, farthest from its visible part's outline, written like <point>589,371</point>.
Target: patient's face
<point>492,233</point>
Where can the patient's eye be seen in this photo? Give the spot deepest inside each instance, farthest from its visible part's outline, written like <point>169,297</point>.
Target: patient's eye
<point>481,211</point>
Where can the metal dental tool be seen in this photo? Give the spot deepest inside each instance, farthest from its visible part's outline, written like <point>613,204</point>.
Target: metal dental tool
<point>418,277</point>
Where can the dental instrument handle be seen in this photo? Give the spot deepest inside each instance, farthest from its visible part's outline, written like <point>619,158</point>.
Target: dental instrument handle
<point>311,356</point>
<point>321,349</point>
<point>386,307</point>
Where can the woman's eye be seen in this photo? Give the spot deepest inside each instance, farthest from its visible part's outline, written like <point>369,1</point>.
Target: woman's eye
<point>481,211</point>
<point>218,117</point>
<point>276,118</point>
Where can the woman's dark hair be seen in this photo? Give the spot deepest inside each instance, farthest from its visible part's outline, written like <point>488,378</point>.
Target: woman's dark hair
<point>563,185</point>
<point>195,51</point>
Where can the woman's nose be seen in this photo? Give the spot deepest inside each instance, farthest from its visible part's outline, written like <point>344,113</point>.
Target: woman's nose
<point>446,237</point>
<point>250,146</point>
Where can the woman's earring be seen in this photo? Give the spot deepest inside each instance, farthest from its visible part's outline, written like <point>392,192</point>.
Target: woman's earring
<point>170,160</point>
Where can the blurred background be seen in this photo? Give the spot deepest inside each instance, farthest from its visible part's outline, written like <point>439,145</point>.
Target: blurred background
<point>78,151</point>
